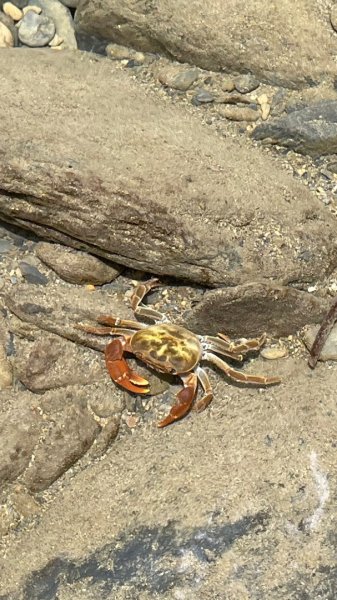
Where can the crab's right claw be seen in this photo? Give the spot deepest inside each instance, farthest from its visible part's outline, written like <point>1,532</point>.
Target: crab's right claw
<point>120,371</point>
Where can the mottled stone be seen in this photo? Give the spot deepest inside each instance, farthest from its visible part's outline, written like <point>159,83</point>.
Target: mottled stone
<point>32,274</point>
<point>329,350</point>
<point>118,52</point>
<point>202,97</point>
<point>246,83</point>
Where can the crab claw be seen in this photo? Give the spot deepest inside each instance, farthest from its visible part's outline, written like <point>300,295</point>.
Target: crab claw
<point>183,401</point>
<point>120,371</point>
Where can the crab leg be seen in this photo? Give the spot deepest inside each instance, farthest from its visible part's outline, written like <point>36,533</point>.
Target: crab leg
<point>238,375</point>
<point>119,369</point>
<point>105,330</point>
<point>252,344</point>
<point>117,322</point>
<point>206,385</point>
<point>183,401</point>
<point>217,345</point>
<point>145,311</point>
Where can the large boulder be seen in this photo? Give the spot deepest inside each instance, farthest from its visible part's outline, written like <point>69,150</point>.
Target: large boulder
<point>90,159</point>
<point>287,42</point>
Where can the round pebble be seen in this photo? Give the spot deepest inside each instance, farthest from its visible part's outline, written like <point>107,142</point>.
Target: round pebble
<point>274,352</point>
<point>202,97</point>
<point>246,83</point>
<point>36,30</point>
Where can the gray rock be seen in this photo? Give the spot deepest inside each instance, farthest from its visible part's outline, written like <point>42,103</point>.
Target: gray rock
<point>246,83</point>
<point>75,266</point>
<point>32,274</point>
<point>70,3</point>
<point>36,30</point>
<point>61,16</point>
<point>311,130</point>
<point>329,350</point>
<point>251,309</point>
<point>230,217</point>
<point>5,246</point>
<point>70,433</point>
<point>218,35</point>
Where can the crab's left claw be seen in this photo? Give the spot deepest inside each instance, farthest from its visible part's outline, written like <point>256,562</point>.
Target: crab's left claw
<point>120,371</point>
<point>183,401</point>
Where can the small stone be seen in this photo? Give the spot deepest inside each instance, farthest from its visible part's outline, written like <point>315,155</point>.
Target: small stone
<point>32,8</point>
<point>6,37</point>
<point>132,421</point>
<point>202,97</point>
<point>12,11</point>
<point>274,352</point>
<point>178,78</point>
<point>265,111</point>
<point>236,113</point>
<point>32,274</point>
<point>9,23</point>
<point>56,41</point>
<point>70,3</point>
<point>227,84</point>
<point>36,30</point>
<point>246,83</point>
<point>76,266</point>
<point>118,52</point>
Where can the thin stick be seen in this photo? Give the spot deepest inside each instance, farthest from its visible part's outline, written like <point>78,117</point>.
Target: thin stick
<point>322,335</point>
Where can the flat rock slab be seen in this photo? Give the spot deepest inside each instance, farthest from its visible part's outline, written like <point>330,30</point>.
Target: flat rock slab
<point>250,309</point>
<point>99,165</point>
<point>272,40</point>
<point>311,130</point>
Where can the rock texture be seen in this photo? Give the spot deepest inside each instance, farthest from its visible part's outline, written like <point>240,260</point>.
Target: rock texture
<point>311,130</point>
<point>250,309</point>
<point>272,40</point>
<point>158,193</point>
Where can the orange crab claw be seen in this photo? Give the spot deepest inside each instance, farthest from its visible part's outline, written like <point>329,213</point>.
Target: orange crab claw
<point>120,371</point>
<point>183,401</point>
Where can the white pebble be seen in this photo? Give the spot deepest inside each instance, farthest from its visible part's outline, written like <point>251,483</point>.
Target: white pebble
<point>6,38</point>
<point>274,352</point>
<point>32,8</point>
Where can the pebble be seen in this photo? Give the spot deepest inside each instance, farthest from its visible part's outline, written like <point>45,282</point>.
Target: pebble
<point>227,84</point>
<point>178,78</point>
<point>56,41</point>
<point>12,11</point>
<point>246,83</point>
<point>202,97</point>
<point>236,113</point>
<point>118,52</point>
<point>274,352</point>
<point>36,30</point>
<point>32,274</point>
<point>70,3</point>
<point>6,37</point>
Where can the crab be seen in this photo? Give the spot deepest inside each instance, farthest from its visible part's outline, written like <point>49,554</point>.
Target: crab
<point>170,348</point>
